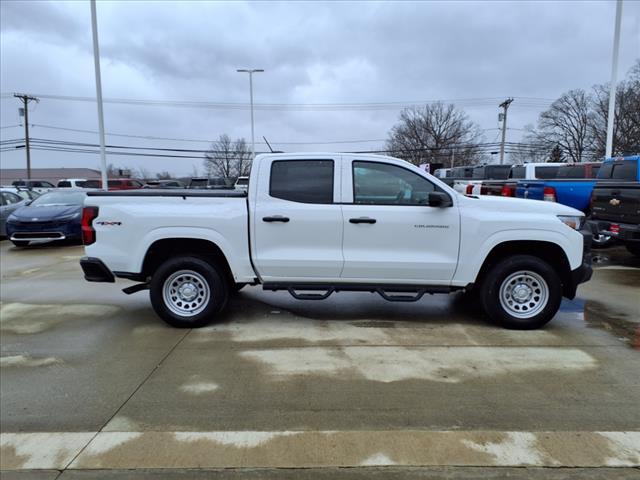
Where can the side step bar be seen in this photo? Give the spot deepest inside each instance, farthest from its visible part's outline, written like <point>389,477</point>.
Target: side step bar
<point>392,293</point>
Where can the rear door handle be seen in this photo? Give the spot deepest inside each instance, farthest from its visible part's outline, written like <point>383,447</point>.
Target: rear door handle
<point>276,218</point>
<point>362,220</point>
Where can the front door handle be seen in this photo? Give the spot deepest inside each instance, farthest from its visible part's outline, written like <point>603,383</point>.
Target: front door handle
<point>362,220</point>
<point>276,218</point>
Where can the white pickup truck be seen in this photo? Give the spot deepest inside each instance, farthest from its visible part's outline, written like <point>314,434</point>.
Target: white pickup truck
<point>315,224</point>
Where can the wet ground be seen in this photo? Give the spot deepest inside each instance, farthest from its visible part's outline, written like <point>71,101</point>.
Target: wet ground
<point>94,385</point>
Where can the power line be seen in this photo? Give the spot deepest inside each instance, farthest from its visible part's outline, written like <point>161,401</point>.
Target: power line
<point>481,101</point>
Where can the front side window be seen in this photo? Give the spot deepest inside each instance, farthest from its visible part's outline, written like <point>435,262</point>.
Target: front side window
<point>384,184</point>
<point>10,198</point>
<point>304,181</point>
<point>64,184</point>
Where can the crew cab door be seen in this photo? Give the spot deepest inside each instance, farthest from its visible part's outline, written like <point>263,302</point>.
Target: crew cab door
<point>391,235</point>
<point>297,219</point>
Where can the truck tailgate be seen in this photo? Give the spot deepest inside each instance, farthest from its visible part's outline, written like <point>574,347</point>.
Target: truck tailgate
<point>618,202</point>
<point>533,189</point>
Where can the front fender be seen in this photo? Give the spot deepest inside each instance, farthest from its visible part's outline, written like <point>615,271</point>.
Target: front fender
<point>472,257</point>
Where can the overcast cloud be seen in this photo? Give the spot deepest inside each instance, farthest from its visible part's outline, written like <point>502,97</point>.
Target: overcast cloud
<point>313,53</point>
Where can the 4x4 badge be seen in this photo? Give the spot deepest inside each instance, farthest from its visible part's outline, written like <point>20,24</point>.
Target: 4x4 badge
<point>614,201</point>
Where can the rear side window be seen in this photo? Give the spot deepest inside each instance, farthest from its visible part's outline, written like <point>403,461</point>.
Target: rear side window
<point>64,184</point>
<point>627,170</point>
<point>571,171</point>
<point>546,172</point>
<point>594,171</point>
<point>517,172</point>
<point>304,181</point>
<point>91,184</point>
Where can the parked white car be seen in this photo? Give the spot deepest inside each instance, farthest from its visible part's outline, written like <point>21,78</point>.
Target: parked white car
<point>315,224</point>
<point>75,183</point>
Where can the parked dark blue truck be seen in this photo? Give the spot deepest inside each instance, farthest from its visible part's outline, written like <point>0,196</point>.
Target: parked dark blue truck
<point>574,184</point>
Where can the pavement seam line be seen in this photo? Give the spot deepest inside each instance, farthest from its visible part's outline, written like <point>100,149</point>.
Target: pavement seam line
<point>144,380</point>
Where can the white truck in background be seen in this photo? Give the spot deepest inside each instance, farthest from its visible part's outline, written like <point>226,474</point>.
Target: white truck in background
<point>316,224</point>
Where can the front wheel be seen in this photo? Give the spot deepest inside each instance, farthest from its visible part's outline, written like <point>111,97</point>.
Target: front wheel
<point>188,292</point>
<point>521,292</point>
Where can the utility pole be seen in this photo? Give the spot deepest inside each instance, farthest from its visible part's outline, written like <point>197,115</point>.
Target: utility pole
<point>25,101</point>
<point>251,72</point>
<point>96,64</point>
<point>614,78</point>
<point>505,106</point>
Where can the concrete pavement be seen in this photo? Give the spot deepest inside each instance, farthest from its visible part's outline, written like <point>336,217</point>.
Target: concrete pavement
<point>91,379</point>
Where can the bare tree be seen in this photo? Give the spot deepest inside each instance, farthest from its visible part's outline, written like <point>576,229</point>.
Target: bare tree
<point>567,124</point>
<point>435,133</point>
<point>164,175</point>
<point>626,123</point>
<point>227,158</point>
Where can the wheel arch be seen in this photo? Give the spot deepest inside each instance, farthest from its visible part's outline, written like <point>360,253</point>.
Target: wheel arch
<point>550,252</point>
<point>165,248</point>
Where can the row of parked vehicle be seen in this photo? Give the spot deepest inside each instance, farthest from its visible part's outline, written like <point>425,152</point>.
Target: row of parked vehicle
<point>42,186</point>
<point>607,192</point>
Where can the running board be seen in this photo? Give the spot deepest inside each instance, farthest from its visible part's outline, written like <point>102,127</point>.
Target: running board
<point>392,293</point>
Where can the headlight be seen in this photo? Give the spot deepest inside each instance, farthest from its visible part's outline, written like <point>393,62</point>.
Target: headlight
<point>12,219</point>
<point>572,221</point>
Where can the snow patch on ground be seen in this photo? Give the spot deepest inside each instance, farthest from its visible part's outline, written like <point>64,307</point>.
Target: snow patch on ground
<point>518,449</point>
<point>246,439</point>
<point>27,361</point>
<point>440,364</point>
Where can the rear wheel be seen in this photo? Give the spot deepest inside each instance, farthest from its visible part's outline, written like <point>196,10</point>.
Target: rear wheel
<point>20,243</point>
<point>633,248</point>
<point>188,292</point>
<point>521,292</point>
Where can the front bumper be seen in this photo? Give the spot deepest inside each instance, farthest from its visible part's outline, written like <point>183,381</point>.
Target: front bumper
<point>96,271</point>
<point>584,271</point>
<point>627,232</point>
<point>43,231</point>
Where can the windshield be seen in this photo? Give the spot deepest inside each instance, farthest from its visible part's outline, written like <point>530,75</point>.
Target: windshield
<point>59,198</point>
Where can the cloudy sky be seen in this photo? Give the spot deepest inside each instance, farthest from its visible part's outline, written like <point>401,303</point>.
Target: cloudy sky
<point>313,53</point>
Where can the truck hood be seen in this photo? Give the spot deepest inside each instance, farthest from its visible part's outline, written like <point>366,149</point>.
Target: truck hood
<point>509,204</point>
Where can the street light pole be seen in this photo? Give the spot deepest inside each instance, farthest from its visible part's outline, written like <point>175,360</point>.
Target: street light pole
<point>96,64</point>
<point>614,78</point>
<point>251,72</point>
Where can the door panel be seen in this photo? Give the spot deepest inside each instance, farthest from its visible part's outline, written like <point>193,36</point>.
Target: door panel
<point>298,221</point>
<point>409,242</point>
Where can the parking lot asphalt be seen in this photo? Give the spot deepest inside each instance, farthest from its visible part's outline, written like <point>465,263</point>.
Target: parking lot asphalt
<point>94,385</point>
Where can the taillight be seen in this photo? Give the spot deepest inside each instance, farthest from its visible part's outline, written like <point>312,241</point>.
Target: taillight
<point>508,191</point>
<point>88,233</point>
<point>549,194</point>
<point>469,189</point>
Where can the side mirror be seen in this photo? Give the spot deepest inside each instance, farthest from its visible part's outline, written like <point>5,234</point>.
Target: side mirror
<point>439,199</point>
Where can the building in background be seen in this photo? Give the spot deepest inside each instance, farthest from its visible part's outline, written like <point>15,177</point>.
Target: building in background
<point>9,175</point>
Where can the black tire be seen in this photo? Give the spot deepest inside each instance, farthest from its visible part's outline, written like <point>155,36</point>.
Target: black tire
<point>633,248</point>
<point>539,274</point>
<point>207,278</point>
<point>20,243</point>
